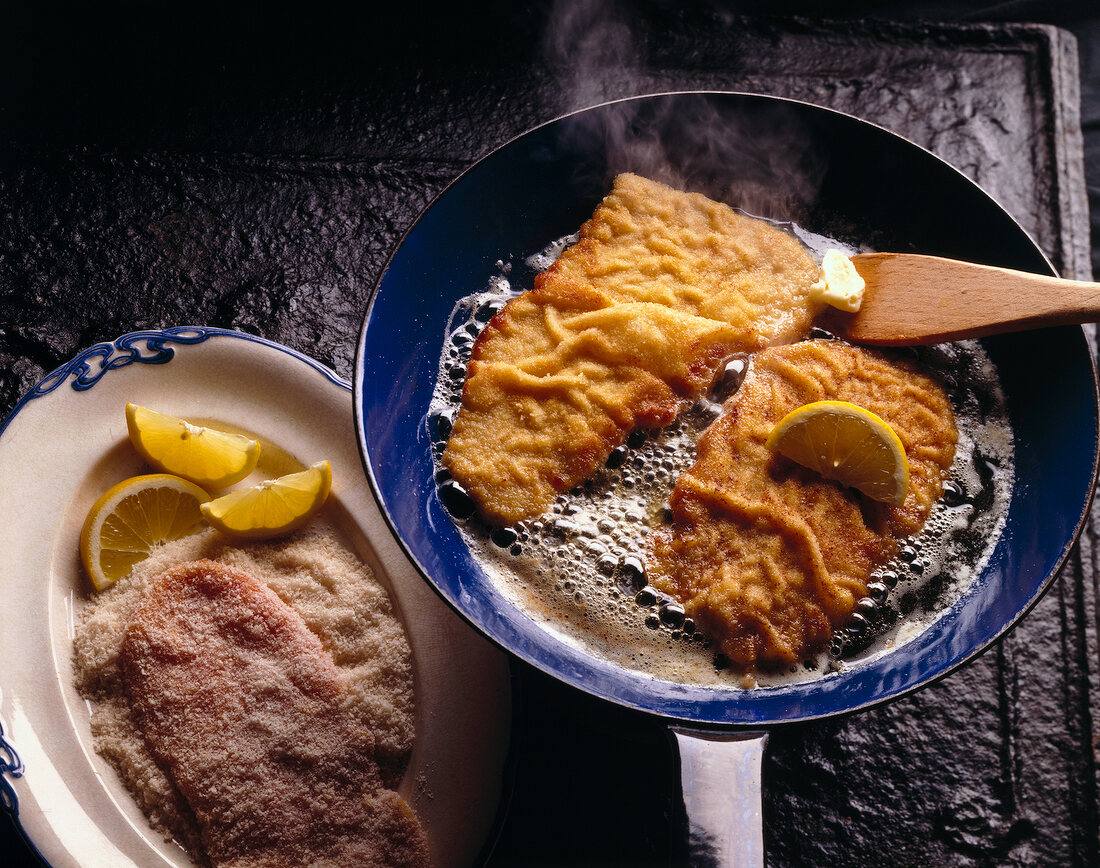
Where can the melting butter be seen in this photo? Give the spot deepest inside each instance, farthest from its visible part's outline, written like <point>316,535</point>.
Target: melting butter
<point>840,284</point>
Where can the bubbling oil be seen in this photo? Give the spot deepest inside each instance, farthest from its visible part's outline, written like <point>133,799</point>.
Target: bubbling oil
<point>579,568</point>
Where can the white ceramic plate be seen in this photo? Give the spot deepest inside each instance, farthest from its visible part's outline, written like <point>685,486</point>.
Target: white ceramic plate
<point>65,443</point>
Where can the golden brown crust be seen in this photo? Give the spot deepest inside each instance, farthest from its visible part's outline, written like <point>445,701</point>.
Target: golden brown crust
<point>242,706</point>
<point>649,242</point>
<point>630,322</point>
<point>769,557</point>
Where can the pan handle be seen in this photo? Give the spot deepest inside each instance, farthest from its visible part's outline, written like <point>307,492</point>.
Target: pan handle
<point>720,779</point>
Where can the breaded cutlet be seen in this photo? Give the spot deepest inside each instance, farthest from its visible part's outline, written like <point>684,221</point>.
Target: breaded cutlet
<point>242,706</point>
<point>628,325</point>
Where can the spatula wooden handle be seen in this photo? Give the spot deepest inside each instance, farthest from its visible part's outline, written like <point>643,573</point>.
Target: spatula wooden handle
<point>915,299</point>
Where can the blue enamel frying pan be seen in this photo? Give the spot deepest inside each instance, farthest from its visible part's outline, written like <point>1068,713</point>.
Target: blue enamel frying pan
<point>831,174</point>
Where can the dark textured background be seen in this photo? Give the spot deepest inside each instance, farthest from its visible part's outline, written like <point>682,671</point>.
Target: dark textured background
<point>253,168</point>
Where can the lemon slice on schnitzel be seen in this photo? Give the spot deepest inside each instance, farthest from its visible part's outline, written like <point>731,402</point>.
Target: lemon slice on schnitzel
<point>205,456</point>
<point>846,443</point>
<point>132,518</point>
<point>273,507</point>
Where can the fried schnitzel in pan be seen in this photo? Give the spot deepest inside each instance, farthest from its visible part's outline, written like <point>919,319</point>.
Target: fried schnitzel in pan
<point>768,557</point>
<point>627,324</point>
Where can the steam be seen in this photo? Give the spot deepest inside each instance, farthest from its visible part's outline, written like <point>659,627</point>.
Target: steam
<point>759,156</point>
<point>590,47</point>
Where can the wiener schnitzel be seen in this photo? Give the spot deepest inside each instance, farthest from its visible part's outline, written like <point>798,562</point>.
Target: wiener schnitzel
<point>769,557</point>
<point>629,323</point>
<point>242,706</point>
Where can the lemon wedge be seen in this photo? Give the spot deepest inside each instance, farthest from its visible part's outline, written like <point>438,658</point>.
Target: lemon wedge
<point>205,456</point>
<point>133,518</point>
<point>273,507</point>
<point>847,443</point>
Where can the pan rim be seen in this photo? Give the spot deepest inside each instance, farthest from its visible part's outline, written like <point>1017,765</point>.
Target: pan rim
<point>672,706</point>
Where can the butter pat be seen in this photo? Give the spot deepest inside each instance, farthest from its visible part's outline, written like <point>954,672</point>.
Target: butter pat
<point>840,285</point>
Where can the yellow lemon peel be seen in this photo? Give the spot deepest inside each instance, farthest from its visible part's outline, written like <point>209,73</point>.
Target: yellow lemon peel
<point>273,507</point>
<point>132,518</point>
<point>206,456</point>
<point>846,443</point>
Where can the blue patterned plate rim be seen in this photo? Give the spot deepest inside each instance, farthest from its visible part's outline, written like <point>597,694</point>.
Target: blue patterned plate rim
<point>147,347</point>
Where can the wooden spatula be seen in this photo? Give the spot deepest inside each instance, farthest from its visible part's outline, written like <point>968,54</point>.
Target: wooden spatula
<point>914,299</point>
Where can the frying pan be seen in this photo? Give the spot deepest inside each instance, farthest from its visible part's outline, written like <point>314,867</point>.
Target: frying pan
<point>831,174</point>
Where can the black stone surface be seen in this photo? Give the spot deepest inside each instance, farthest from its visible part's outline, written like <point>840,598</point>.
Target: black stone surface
<point>252,169</point>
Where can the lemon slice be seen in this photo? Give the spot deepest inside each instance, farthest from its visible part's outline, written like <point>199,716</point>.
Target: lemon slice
<point>847,443</point>
<point>133,518</point>
<point>273,507</point>
<point>206,456</point>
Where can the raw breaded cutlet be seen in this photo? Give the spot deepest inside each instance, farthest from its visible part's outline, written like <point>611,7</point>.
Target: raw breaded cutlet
<point>769,557</point>
<point>241,705</point>
<point>625,327</point>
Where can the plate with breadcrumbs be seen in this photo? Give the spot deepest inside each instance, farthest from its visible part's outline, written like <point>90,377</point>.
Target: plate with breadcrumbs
<point>215,653</point>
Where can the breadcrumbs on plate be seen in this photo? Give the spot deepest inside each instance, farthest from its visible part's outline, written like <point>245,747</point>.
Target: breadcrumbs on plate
<point>313,572</point>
